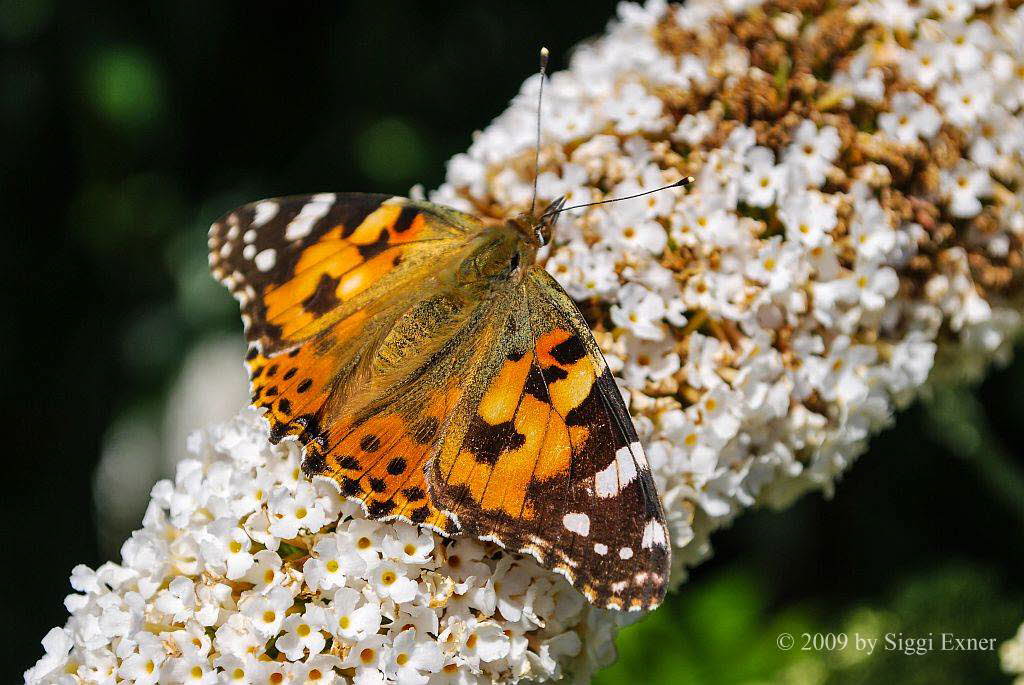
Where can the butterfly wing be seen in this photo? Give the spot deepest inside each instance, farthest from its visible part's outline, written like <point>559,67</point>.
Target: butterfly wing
<point>298,265</point>
<point>333,289</point>
<point>543,457</point>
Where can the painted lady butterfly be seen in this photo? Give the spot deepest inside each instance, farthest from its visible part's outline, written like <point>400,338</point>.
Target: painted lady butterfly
<point>435,373</point>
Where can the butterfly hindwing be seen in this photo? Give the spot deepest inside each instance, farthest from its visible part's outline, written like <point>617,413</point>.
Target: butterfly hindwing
<point>547,461</point>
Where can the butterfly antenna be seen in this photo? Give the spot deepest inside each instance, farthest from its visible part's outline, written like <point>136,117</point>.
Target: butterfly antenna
<point>540,99</point>
<point>681,183</point>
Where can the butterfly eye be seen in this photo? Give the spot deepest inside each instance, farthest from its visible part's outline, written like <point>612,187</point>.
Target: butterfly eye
<point>515,261</point>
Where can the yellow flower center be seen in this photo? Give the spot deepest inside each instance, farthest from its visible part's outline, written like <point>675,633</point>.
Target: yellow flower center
<point>332,566</point>
<point>402,659</point>
<point>302,630</point>
<point>367,656</point>
<point>235,546</point>
<point>269,616</point>
<point>344,622</point>
<point>409,549</point>
<point>388,577</point>
<point>300,513</point>
<point>363,542</point>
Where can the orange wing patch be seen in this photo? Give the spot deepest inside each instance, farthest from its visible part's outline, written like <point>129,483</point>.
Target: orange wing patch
<point>294,263</point>
<point>379,459</point>
<point>519,436</point>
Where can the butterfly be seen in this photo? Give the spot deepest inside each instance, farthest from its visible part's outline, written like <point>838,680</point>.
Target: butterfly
<point>434,372</point>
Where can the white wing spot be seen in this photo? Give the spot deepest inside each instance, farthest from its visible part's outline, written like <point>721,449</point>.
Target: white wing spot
<point>265,211</point>
<point>578,523</point>
<point>249,251</point>
<point>639,455</point>
<point>249,236</point>
<point>610,480</point>
<point>265,260</point>
<point>311,212</point>
<point>225,250</point>
<point>654,534</point>
<point>600,548</point>
<point>626,553</point>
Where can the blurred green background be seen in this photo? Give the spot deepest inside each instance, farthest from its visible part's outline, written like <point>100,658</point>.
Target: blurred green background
<point>128,127</point>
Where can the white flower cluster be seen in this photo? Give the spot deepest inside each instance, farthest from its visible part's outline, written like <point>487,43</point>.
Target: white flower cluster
<point>766,321</point>
<point>245,572</point>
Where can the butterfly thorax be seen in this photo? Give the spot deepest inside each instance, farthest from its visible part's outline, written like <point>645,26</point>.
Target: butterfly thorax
<point>495,259</point>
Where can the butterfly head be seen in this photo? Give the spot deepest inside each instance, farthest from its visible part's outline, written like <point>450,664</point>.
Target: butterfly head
<point>536,228</point>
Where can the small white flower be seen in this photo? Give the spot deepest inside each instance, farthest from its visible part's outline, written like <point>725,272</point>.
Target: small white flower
<point>649,360</point>
<point>336,559</point>
<point>351,618</point>
<point>909,118</point>
<point>265,572</point>
<point>963,103</point>
<point>927,62</point>
<point>367,657</point>
<point>640,312</point>
<point>388,579</point>
<point>763,180</point>
<point>302,634</point>
<point>291,512</point>
<point>808,218</point>
<point>143,666</point>
<point>965,185</point>
<point>408,545</point>
<point>483,641</point>
<point>813,151</point>
<point>877,285</point>
<point>634,109</point>
<point>410,660</point>
<point>267,612</point>
<point>178,601</point>
<point>194,671</point>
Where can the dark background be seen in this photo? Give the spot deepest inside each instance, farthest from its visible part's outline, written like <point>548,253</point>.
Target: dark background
<point>129,127</point>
